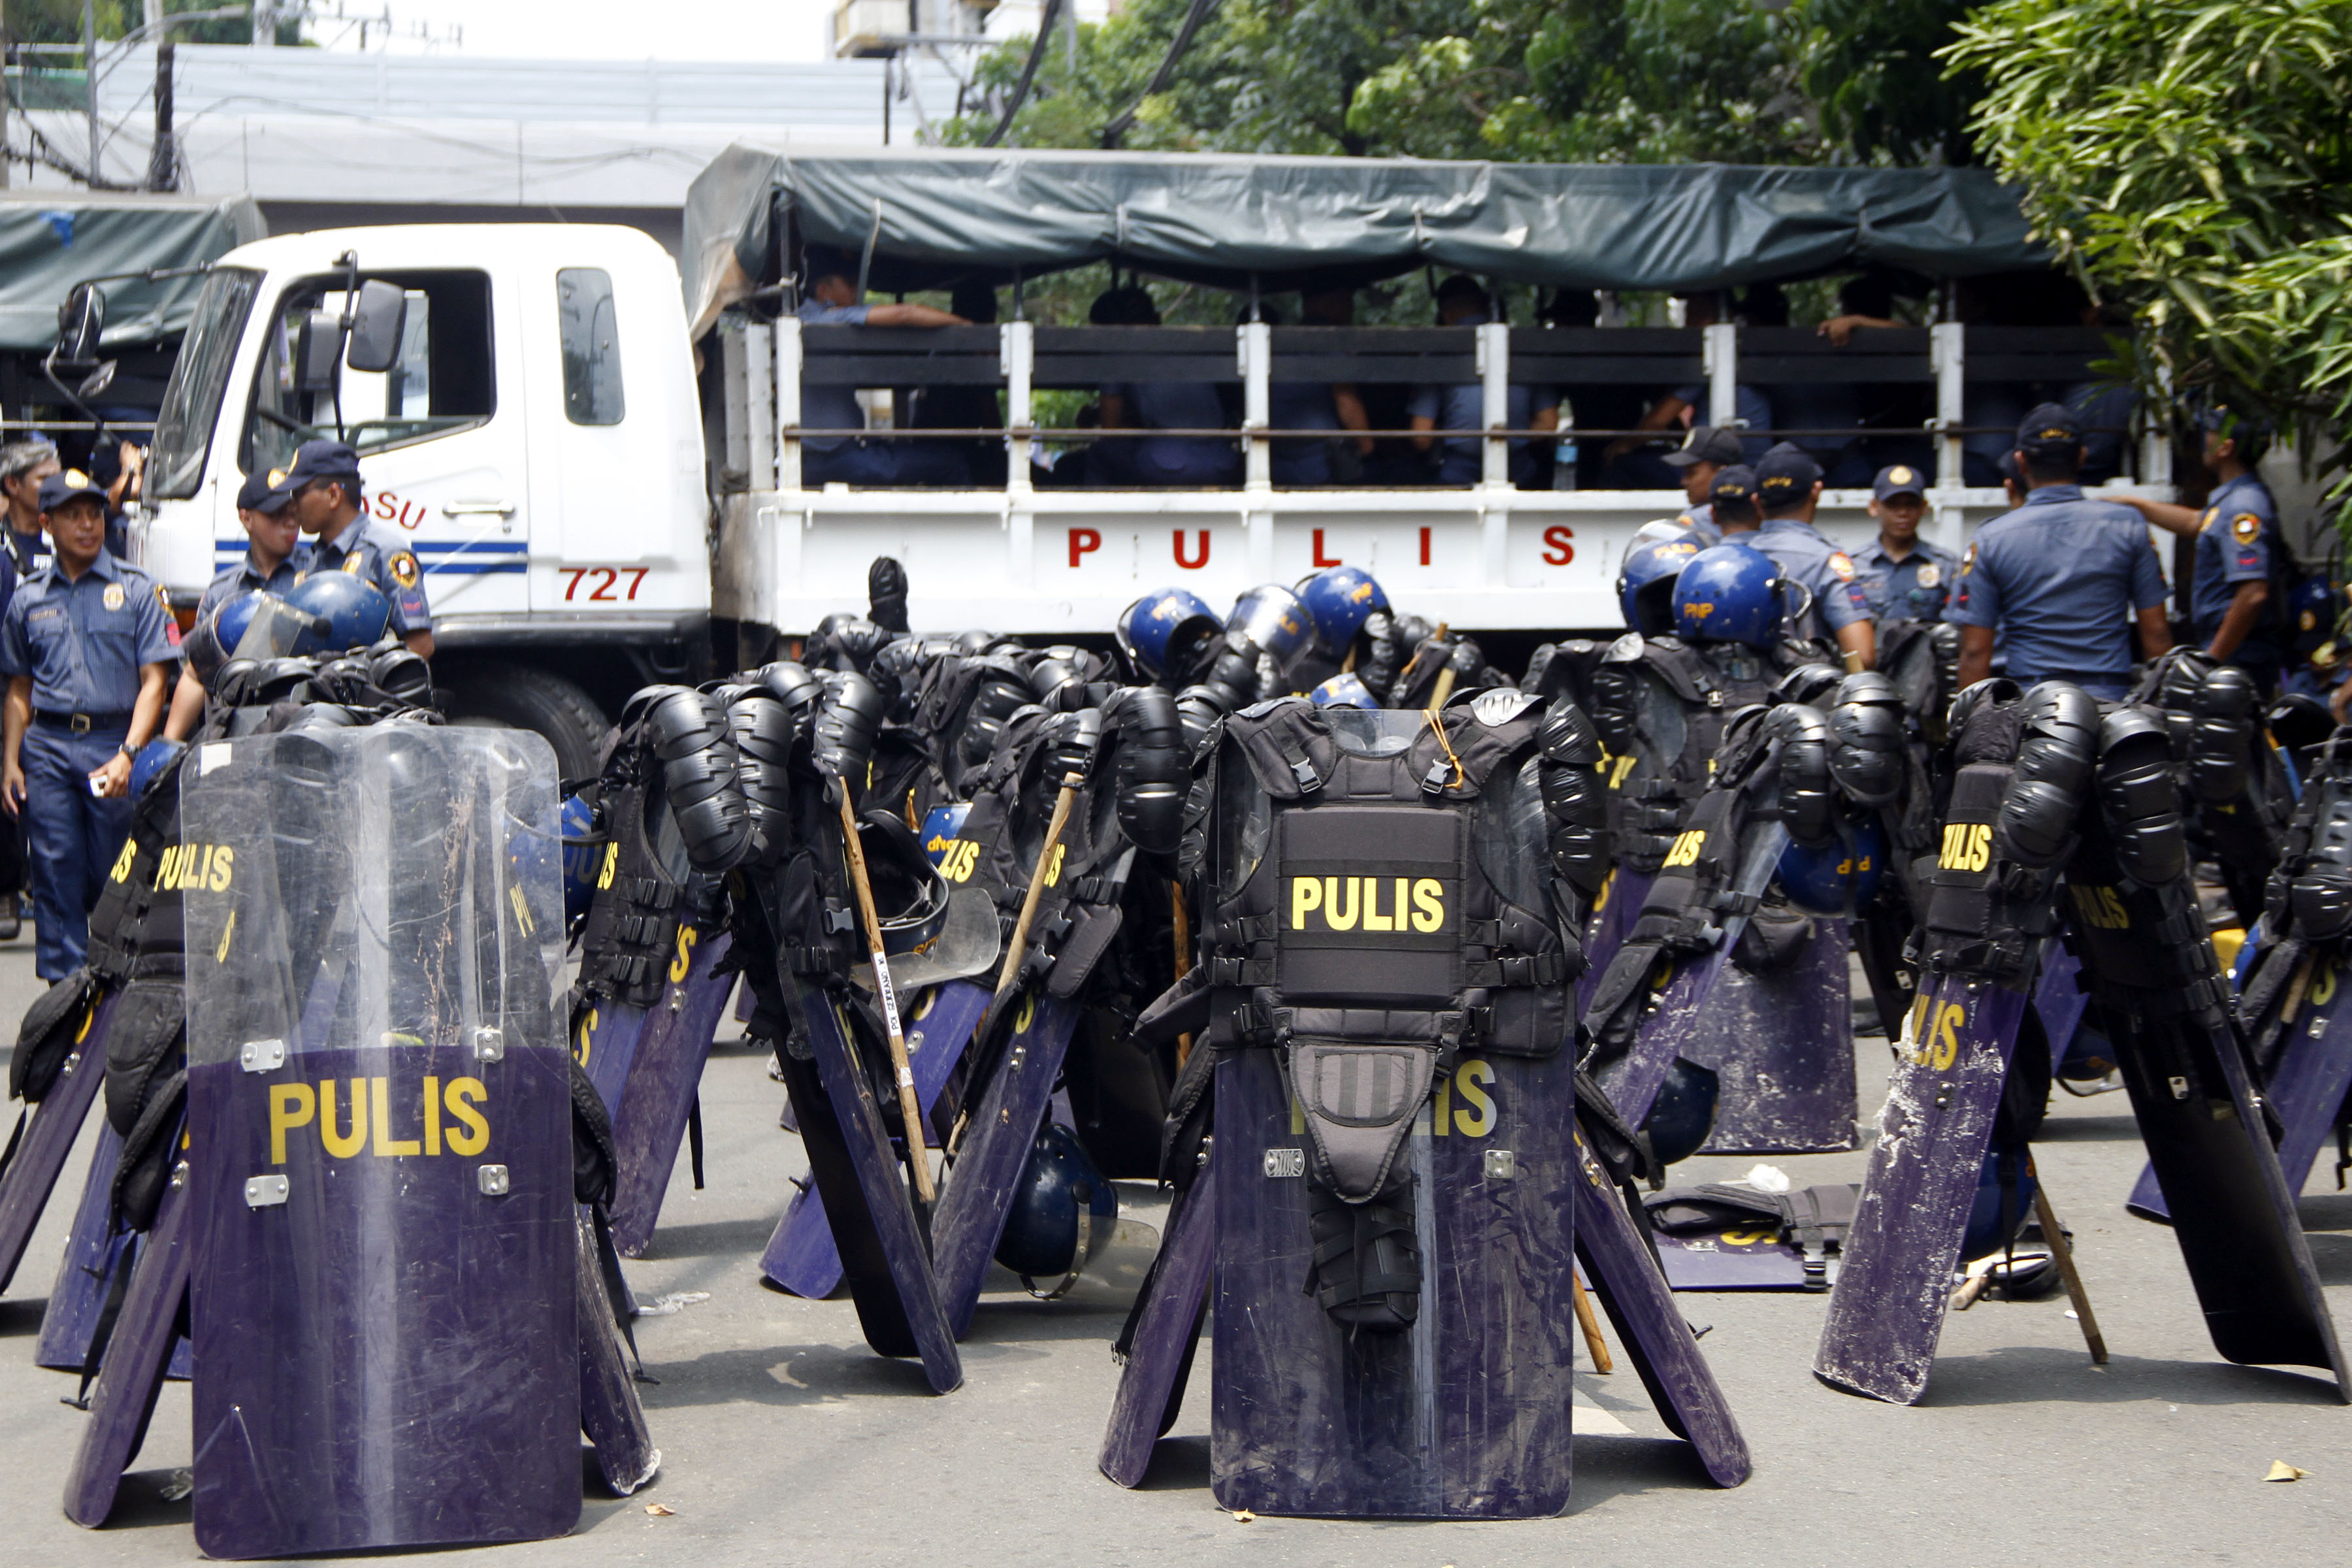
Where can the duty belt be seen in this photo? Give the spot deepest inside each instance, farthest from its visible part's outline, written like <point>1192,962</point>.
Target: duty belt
<point>82,723</point>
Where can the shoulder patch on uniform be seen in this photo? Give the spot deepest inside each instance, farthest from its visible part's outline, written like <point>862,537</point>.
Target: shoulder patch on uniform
<point>351,564</point>
<point>403,569</point>
<point>163,599</point>
<point>1843,564</point>
<point>2245,528</point>
<point>1968,561</point>
<point>114,597</point>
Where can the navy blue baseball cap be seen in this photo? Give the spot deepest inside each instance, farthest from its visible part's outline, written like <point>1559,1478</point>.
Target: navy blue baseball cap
<point>322,460</point>
<point>1707,444</point>
<point>68,485</point>
<point>1899,479</point>
<point>264,492</point>
<point>1786,475</point>
<point>2050,430</point>
<point>1735,483</point>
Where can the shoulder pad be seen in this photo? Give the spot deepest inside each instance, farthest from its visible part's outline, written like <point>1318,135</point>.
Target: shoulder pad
<point>1624,650</point>
<point>1260,710</point>
<point>1499,707</point>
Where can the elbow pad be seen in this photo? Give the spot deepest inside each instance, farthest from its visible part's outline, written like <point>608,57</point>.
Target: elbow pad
<point>847,721</point>
<point>1199,710</point>
<point>1385,655</point>
<point>761,728</point>
<point>1154,770</point>
<point>1073,740</point>
<point>1811,684</point>
<point>886,593</point>
<point>1867,738</point>
<point>699,770</point>
<point>1001,692</point>
<point>2138,799</point>
<point>1806,804</point>
<point>2058,743</point>
<point>2218,740</point>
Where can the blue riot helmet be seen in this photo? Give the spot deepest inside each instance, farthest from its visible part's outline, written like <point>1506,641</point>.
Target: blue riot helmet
<point>354,612</point>
<point>584,857</point>
<point>1061,1212</point>
<point>1684,1112</point>
<point>1271,618</point>
<point>1731,593</point>
<point>202,647</point>
<point>232,617</point>
<point>1163,632</point>
<point>2314,609</point>
<point>1346,689</point>
<point>153,761</point>
<point>1840,875</point>
<point>1338,600</point>
<point>1645,583</point>
<point>942,825</point>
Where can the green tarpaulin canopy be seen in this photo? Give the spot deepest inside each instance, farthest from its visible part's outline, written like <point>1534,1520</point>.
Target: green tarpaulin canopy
<point>933,215</point>
<point>51,240</point>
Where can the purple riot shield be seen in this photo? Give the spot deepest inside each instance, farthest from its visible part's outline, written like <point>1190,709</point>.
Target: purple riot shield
<point>1465,1413</point>
<point>998,1133</point>
<point>122,1400</point>
<point>867,1203</point>
<point>1167,1331</point>
<point>2312,1074</point>
<point>663,1084</point>
<point>1780,1044</point>
<point>605,1044</point>
<point>1615,910</point>
<point>1887,1307</point>
<point>55,1123</point>
<point>2060,999</point>
<point>1649,1325</point>
<point>380,1203</point>
<point>800,1257</point>
<point>610,1411</point>
<point>94,1249</point>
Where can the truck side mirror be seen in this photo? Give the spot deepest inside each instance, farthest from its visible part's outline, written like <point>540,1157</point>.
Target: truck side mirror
<point>81,319</point>
<point>379,320</point>
<point>317,350</point>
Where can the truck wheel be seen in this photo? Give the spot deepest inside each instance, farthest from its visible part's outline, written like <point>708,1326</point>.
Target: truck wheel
<point>517,697</point>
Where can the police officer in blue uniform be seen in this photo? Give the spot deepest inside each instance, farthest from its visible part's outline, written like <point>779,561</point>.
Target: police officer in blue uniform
<point>1731,508</point>
<point>1904,576</point>
<point>86,644</point>
<point>1788,488</point>
<point>324,490</point>
<point>1704,454</point>
<point>2060,583</point>
<point>275,560</point>
<point>2242,560</point>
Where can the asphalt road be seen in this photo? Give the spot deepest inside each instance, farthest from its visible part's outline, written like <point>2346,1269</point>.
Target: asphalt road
<point>786,1440</point>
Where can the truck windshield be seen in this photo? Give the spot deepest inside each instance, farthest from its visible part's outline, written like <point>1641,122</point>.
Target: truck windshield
<point>184,426</point>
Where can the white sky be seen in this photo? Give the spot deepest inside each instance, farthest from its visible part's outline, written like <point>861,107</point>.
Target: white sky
<point>616,29</point>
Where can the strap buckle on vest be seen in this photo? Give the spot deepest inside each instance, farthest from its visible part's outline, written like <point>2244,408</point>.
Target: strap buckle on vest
<point>837,920</point>
<point>1304,772</point>
<point>1715,697</point>
<point>1244,930</point>
<point>1433,783</point>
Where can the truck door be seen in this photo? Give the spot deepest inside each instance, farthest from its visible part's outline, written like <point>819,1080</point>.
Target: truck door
<point>440,435</point>
<point>600,479</point>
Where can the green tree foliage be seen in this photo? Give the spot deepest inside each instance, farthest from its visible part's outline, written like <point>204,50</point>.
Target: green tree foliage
<point>1809,81</point>
<point>2193,160</point>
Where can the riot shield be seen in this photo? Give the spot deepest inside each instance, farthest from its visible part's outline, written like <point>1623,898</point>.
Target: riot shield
<point>122,1401</point>
<point>1887,1309</point>
<point>801,1256</point>
<point>1167,1331</point>
<point>1461,1414</point>
<point>605,1041</point>
<point>1780,1044</point>
<point>609,1410</point>
<point>1615,910</point>
<point>94,1250</point>
<point>381,1208</point>
<point>995,1150</point>
<point>27,1180</point>
<point>665,1084</point>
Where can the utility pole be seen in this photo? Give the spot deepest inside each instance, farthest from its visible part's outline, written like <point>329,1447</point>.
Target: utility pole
<point>89,80</point>
<point>265,23</point>
<point>5,38</point>
<point>163,158</point>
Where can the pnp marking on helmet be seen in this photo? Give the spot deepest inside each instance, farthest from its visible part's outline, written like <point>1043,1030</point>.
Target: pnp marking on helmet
<point>1353,903</point>
<point>294,1106</point>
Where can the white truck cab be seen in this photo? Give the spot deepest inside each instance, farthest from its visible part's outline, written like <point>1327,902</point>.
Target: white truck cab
<point>538,444</point>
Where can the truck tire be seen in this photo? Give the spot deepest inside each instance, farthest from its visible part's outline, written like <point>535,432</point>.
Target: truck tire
<point>517,697</point>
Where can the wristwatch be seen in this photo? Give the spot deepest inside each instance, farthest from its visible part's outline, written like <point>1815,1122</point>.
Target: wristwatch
<point>125,747</point>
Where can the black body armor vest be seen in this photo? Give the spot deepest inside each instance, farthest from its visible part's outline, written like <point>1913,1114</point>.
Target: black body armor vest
<point>625,945</point>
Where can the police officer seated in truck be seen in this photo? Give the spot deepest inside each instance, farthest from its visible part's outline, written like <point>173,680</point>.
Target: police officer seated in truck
<point>1202,462</point>
<point>1461,301</point>
<point>832,300</point>
<point>322,491</point>
<point>85,644</point>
